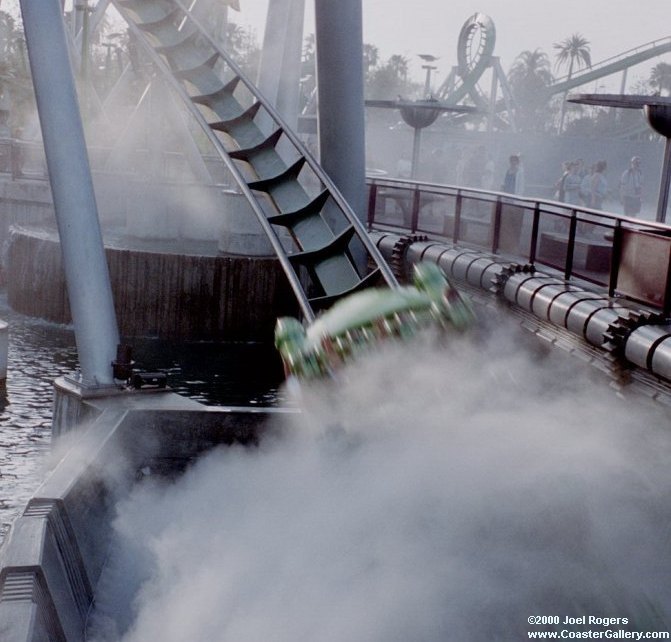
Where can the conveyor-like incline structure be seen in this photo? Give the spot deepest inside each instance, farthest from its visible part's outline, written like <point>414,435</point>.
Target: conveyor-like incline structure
<point>287,189</point>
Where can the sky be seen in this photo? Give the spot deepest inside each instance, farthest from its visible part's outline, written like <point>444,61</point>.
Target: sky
<point>411,27</point>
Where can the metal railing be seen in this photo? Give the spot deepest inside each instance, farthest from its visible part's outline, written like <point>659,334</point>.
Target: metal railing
<point>630,258</point>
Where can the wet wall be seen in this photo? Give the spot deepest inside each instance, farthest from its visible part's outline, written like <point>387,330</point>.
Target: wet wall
<point>192,293</point>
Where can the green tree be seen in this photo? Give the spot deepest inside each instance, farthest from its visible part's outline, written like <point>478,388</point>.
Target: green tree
<point>243,47</point>
<point>16,92</point>
<point>389,79</point>
<point>371,57</point>
<point>660,77</point>
<point>399,66</point>
<point>308,103</point>
<point>528,78</point>
<point>571,51</point>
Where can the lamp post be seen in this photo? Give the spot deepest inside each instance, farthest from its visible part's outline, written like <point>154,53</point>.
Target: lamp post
<point>428,58</point>
<point>419,114</point>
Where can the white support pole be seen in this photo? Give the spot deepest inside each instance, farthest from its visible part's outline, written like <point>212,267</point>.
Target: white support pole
<point>494,88</point>
<point>84,261</point>
<point>4,355</point>
<point>339,38</point>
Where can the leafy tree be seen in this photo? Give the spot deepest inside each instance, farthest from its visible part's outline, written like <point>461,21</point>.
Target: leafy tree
<point>309,53</point>
<point>660,77</point>
<point>15,86</point>
<point>528,78</point>
<point>371,57</point>
<point>308,74</point>
<point>398,65</point>
<point>389,79</point>
<point>243,47</point>
<point>572,51</point>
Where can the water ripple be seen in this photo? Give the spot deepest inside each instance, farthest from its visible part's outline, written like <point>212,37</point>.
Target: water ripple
<point>39,352</point>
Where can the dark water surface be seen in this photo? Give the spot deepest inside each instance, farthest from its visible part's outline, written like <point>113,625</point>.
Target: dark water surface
<point>39,352</point>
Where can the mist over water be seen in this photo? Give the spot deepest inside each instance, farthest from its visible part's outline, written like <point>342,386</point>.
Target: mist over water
<point>432,494</point>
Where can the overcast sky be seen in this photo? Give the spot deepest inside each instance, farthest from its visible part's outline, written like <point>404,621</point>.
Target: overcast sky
<point>410,27</point>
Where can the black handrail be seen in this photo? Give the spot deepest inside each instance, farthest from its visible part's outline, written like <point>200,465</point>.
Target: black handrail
<point>534,234</point>
<point>570,248</point>
<point>615,258</point>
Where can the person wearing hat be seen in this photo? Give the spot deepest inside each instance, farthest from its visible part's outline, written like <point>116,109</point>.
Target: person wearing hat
<point>631,184</point>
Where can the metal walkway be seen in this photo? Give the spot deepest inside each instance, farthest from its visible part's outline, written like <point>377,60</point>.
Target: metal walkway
<point>287,189</point>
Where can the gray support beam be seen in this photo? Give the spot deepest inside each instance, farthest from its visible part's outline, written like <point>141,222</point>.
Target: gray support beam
<point>280,69</point>
<point>339,38</point>
<point>84,261</point>
<point>92,22</point>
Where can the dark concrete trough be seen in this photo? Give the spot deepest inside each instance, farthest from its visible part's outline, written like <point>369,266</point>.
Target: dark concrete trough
<point>56,550</point>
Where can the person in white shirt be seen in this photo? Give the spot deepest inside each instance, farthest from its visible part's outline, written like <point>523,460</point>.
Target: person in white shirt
<point>572,183</point>
<point>631,185</point>
<point>513,181</point>
<point>599,185</point>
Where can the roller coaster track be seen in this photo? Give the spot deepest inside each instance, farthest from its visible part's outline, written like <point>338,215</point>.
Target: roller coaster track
<point>612,65</point>
<point>474,54</point>
<point>285,186</point>
<point>475,51</point>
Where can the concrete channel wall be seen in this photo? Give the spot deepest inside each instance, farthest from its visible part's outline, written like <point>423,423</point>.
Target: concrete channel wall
<point>56,551</point>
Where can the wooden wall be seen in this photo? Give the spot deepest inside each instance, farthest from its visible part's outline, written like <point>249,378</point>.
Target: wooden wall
<point>165,295</point>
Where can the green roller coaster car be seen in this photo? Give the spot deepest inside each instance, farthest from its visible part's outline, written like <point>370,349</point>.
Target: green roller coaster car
<point>361,320</point>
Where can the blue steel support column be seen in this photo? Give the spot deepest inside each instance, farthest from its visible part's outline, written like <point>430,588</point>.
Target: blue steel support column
<point>84,261</point>
<point>339,39</point>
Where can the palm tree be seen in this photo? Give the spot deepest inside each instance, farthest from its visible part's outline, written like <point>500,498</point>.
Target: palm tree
<point>389,79</point>
<point>572,50</point>
<point>528,77</point>
<point>399,66</point>
<point>371,56</point>
<point>660,77</point>
<point>531,65</point>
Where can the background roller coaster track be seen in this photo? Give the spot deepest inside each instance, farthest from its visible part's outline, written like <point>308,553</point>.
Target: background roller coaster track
<point>612,65</point>
<point>475,54</point>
